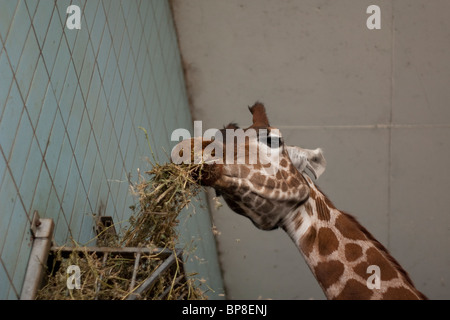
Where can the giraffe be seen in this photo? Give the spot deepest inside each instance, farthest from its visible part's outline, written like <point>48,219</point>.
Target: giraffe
<point>347,261</point>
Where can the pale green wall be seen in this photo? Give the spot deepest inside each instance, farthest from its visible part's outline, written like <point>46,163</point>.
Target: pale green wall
<point>71,102</point>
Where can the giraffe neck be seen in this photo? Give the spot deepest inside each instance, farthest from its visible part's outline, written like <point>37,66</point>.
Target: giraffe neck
<point>343,255</point>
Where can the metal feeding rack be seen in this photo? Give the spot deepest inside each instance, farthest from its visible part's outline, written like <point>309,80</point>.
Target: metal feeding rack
<point>43,258</point>
<point>135,253</point>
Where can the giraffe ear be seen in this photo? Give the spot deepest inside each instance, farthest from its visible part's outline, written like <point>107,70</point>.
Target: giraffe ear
<point>302,159</point>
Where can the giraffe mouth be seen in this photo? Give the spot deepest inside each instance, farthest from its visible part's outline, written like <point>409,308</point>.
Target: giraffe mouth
<point>207,174</point>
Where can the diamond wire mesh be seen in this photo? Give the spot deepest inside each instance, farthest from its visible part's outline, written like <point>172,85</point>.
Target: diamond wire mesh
<point>71,103</point>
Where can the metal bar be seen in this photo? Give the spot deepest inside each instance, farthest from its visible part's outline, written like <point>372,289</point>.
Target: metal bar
<point>148,283</point>
<point>42,231</point>
<point>124,250</point>
<point>99,284</point>
<point>135,269</point>
<point>167,290</point>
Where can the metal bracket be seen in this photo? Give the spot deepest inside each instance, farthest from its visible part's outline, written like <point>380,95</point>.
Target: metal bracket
<point>35,223</point>
<point>105,223</point>
<point>42,231</point>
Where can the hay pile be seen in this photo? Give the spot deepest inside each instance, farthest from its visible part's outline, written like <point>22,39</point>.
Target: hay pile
<point>169,189</point>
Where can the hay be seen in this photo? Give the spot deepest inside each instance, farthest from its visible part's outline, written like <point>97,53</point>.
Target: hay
<point>161,199</point>
<point>168,190</point>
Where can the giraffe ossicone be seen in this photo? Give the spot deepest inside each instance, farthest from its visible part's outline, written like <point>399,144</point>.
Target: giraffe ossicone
<point>340,252</point>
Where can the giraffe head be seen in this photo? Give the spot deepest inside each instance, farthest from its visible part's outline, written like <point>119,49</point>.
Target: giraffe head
<point>253,170</point>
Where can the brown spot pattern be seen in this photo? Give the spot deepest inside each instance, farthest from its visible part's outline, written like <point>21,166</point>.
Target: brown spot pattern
<point>244,171</point>
<point>307,241</point>
<point>270,184</point>
<point>348,228</point>
<point>285,174</point>
<point>328,243</point>
<point>293,182</point>
<point>400,293</point>
<point>323,213</point>
<point>374,257</point>
<point>247,200</point>
<point>354,290</point>
<point>352,252</point>
<point>278,175</point>
<point>292,170</point>
<point>328,272</point>
<point>266,207</point>
<point>258,180</point>
<point>312,193</point>
<point>329,203</point>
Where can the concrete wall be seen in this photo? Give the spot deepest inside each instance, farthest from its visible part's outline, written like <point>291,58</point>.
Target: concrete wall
<point>71,104</point>
<point>376,101</point>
